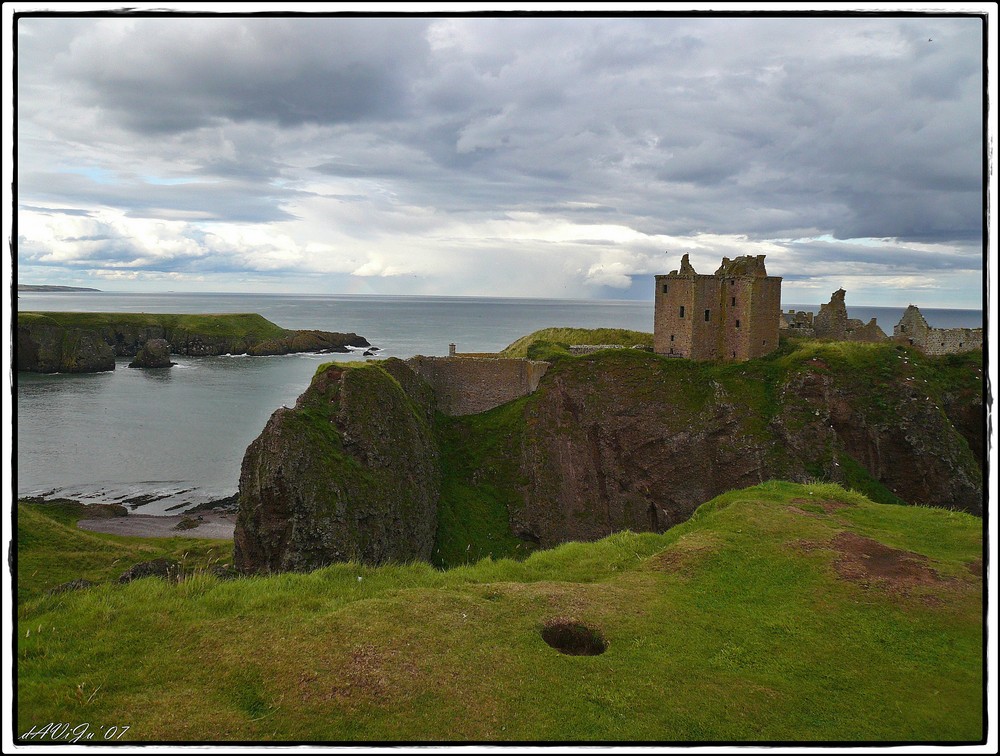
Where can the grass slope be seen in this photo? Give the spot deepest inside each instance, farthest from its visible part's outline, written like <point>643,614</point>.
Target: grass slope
<point>758,619</point>
<point>51,550</point>
<point>566,337</point>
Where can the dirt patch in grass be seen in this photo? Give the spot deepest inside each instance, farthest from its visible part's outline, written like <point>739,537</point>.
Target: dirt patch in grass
<point>367,675</point>
<point>975,567</point>
<point>215,525</point>
<point>870,563</point>
<point>798,511</point>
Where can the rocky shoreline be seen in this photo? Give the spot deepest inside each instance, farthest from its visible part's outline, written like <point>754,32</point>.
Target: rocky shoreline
<point>217,525</point>
<point>215,519</point>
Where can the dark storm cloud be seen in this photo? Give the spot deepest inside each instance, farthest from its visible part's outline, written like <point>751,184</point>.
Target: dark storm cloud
<point>842,256</point>
<point>763,128</point>
<point>176,74</point>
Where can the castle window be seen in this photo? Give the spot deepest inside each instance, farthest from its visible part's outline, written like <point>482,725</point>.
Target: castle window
<point>664,288</point>
<point>671,337</point>
<point>763,342</point>
<point>960,345</point>
<point>737,322</point>
<point>682,311</point>
<point>734,302</point>
<point>708,315</point>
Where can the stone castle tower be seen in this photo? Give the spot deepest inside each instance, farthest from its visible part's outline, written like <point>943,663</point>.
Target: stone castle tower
<point>732,315</point>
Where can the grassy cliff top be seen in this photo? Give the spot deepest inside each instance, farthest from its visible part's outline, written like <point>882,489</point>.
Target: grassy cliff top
<point>574,336</point>
<point>235,325</point>
<point>780,612</point>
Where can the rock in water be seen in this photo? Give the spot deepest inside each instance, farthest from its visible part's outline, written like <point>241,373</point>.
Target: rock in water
<point>155,353</point>
<point>350,474</point>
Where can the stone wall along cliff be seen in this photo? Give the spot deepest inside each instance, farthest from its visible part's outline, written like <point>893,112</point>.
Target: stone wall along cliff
<point>467,385</point>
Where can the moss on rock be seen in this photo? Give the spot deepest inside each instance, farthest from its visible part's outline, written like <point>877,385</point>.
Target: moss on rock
<point>350,473</point>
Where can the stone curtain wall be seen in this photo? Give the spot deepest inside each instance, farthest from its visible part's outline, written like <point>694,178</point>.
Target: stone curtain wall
<point>467,385</point>
<point>952,340</point>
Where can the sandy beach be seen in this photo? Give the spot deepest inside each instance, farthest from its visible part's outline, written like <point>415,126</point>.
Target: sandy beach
<point>210,525</point>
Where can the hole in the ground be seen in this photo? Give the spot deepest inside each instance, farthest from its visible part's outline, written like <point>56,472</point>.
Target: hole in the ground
<point>573,638</point>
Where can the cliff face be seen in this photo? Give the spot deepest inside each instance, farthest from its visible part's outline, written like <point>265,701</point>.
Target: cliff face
<point>626,440</point>
<point>48,348</point>
<point>621,439</point>
<point>125,334</point>
<point>350,473</point>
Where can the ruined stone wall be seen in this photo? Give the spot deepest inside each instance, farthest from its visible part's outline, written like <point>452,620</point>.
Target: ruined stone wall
<point>832,323</point>
<point>952,340</point>
<point>680,325</point>
<point>465,386</point>
<point>913,329</point>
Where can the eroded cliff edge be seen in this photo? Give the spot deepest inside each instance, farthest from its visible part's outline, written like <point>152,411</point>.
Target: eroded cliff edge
<point>80,342</point>
<point>621,439</point>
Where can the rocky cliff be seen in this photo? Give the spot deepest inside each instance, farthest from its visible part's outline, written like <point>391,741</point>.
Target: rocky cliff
<point>626,441</point>
<point>79,336</point>
<point>46,347</point>
<point>350,473</point>
<point>621,439</point>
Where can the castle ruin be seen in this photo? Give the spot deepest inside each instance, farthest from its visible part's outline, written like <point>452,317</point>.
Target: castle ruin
<point>913,329</point>
<point>731,315</point>
<point>832,323</point>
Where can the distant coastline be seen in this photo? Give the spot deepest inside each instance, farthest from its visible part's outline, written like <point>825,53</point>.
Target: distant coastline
<point>33,287</point>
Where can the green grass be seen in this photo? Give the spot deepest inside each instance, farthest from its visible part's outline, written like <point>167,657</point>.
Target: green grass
<point>229,325</point>
<point>51,550</point>
<point>479,481</point>
<point>733,626</point>
<point>571,336</point>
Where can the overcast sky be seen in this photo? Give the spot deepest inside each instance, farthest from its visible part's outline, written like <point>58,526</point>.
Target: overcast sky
<point>538,157</point>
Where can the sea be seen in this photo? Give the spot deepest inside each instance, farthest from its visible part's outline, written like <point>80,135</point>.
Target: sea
<point>162,441</point>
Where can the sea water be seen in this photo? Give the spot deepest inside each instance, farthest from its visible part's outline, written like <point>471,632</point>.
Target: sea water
<point>167,439</point>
